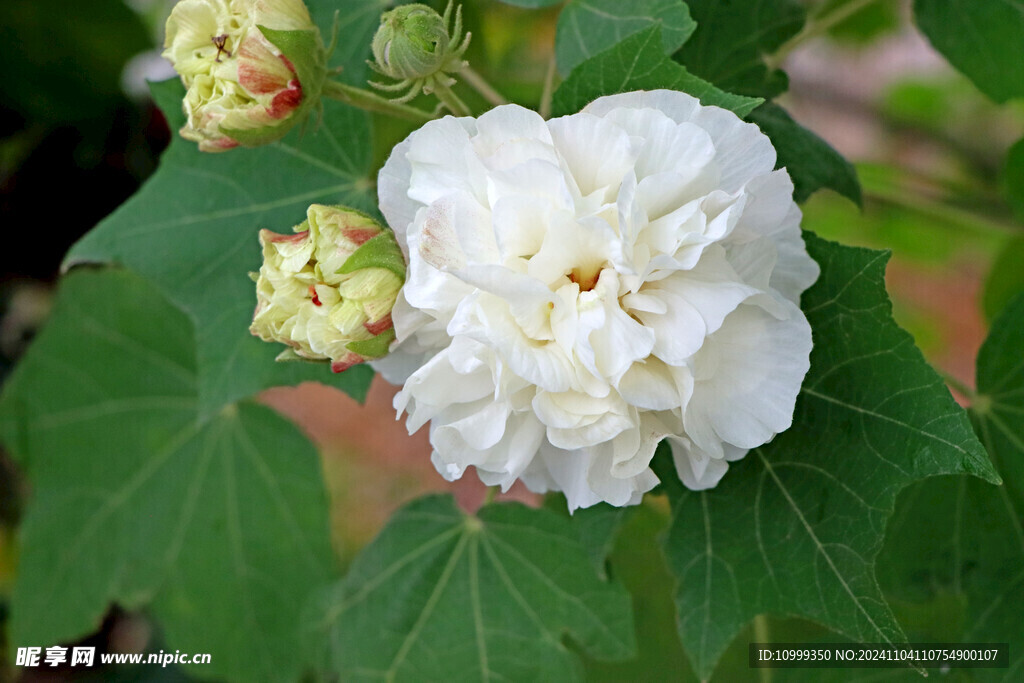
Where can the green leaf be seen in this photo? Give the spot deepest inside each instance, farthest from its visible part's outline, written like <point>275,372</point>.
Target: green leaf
<point>953,562</point>
<point>637,561</point>
<point>63,67</point>
<point>1005,279</point>
<point>639,63</point>
<point>960,542</point>
<point>588,27</point>
<point>532,4</point>
<point>440,595</point>
<point>981,38</point>
<point>357,22</point>
<point>1012,179</point>
<point>192,231</point>
<point>998,408</point>
<point>732,39</point>
<point>795,526</point>
<point>811,162</point>
<point>219,525</point>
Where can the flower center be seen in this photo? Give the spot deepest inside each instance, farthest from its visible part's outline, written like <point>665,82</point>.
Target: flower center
<point>586,277</point>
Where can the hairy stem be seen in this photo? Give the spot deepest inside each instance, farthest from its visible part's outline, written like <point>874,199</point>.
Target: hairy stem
<point>371,101</point>
<point>478,83</point>
<point>451,101</point>
<point>814,27</point>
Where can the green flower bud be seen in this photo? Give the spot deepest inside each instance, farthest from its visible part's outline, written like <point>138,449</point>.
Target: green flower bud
<point>412,42</point>
<point>327,291</point>
<point>253,68</point>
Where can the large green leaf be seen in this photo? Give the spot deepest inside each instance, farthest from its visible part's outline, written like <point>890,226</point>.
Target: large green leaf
<point>953,567</point>
<point>960,542</point>
<point>587,27</point>
<point>637,561</point>
<point>219,525</point>
<point>192,231</point>
<point>998,408</point>
<point>62,65</point>
<point>357,22</point>
<point>981,38</point>
<point>795,526</point>
<point>734,36</point>
<point>440,595</point>
<point>1005,279</point>
<point>811,162</point>
<point>639,63</point>
<point>532,4</point>
<point>1012,178</point>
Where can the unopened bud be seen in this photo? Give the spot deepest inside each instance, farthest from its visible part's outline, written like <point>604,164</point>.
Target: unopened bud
<point>415,47</point>
<point>252,68</point>
<point>412,42</point>
<point>327,290</point>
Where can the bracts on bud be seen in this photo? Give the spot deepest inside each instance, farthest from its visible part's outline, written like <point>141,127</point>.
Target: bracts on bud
<point>327,291</point>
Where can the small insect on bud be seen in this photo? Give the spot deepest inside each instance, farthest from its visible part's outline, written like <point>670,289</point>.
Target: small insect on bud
<point>252,68</point>
<point>327,290</point>
<point>414,46</point>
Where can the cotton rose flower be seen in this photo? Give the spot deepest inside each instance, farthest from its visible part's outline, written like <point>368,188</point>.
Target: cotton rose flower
<point>580,289</point>
<point>327,290</point>
<point>242,89</point>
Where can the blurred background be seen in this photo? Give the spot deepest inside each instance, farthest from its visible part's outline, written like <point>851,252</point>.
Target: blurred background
<point>79,134</point>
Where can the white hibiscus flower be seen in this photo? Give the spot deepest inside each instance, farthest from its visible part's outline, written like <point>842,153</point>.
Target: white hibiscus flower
<point>580,289</point>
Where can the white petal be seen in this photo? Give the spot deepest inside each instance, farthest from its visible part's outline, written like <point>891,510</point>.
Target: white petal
<point>795,270</point>
<point>757,364</point>
<point>597,152</point>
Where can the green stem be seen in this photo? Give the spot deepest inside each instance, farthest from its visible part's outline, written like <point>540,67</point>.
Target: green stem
<point>907,199</point>
<point>371,101</point>
<point>762,634</point>
<point>478,83</point>
<point>549,88</point>
<point>451,101</point>
<point>492,492</point>
<point>814,27</point>
<point>958,385</point>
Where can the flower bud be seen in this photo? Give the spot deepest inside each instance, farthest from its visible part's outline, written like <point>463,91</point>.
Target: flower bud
<point>412,42</point>
<point>327,290</point>
<point>252,68</point>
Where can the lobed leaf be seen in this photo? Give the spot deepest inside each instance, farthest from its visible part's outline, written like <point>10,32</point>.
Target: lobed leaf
<point>532,4</point>
<point>981,38</point>
<point>812,163</point>
<point>732,39</point>
<point>442,595</point>
<point>639,63</point>
<point>218,524</point>
<point>794,527</point>
<point>192,231</point>
<point>588,27</point>
<point>998,408</point>
<point>954,556</point>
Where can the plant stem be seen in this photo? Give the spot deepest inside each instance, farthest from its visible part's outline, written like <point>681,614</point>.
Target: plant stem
<point>492,492</point>
<point>958,385</point>
<point>451,101</point>
<point>814,27</point>
<point>904,198</point>
<point>371,101</point>
<point>549,88</point>
<point>478,83</point>
<point>762,634</point>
